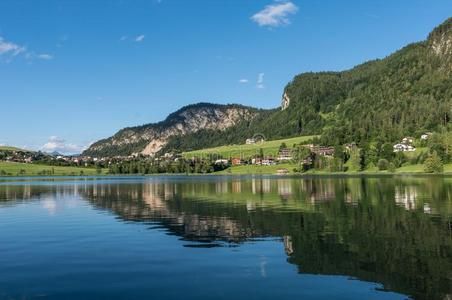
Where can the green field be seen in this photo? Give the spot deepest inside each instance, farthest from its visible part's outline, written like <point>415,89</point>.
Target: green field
<point>270,148</point>
<point>256,169</point>
<point>22,169</point>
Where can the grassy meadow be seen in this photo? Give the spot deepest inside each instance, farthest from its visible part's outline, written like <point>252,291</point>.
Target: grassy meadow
<point>22,169</point>
<point>270,148</point>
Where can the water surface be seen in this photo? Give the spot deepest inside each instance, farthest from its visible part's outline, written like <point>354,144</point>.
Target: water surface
<point>226,238</point>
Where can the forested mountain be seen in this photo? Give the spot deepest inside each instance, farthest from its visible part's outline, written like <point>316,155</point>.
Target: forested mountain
<point>406,93</point>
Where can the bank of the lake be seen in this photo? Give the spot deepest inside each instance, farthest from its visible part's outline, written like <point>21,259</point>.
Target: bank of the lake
<point>24,169</point>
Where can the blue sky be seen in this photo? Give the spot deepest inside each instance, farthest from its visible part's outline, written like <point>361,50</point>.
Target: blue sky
<point>72,72</point>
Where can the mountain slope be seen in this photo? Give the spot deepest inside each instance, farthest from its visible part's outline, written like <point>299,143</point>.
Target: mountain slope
<point>149,139</point>
<point>406,93</point>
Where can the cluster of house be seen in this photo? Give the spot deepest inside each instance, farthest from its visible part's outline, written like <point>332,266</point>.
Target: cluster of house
<point>21,156</point>
<point>284,154</point>
<point>406,145</point>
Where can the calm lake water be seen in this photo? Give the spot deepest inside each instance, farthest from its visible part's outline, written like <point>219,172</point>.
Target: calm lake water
<point>226,238</point>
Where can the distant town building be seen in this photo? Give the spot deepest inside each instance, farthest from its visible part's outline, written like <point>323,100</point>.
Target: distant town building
<point>221,162</point>
<point>250,141</point>
<point>407,140</point>
<point>268,161</point>
<point>285,154</point>
<point>236,161</point>
<point>402,147</point>
<point>426,136</point>
<point>320,150</point>
<point>256,161</point>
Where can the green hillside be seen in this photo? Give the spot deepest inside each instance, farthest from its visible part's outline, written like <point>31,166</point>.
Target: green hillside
<point>22,169</point>
<point>270,148</point>
<point>11,148</point>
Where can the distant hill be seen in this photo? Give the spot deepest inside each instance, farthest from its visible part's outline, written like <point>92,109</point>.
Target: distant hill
<point>11,148</point>
<point>406,93</point>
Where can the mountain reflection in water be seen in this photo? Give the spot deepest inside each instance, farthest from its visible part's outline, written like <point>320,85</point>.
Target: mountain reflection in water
<point>393,231</point>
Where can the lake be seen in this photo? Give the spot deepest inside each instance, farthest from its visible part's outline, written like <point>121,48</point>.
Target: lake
<point>214,237</point>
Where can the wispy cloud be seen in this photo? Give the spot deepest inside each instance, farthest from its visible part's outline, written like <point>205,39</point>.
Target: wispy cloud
<point>243,80</point>
<point>45,56</point>
<point>139,38</point>
<point>60,145</point>
<point>260,81</point>
<point>10,48</point>
<point>275,15</point>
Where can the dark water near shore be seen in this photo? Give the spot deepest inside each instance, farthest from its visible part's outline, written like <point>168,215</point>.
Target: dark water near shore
<point>226,238</point>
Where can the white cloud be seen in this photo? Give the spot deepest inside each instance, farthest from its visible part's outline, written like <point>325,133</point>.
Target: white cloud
<point>10,48</point>
<point>123,38</point>
<point>139,38</point>
<point>60,145</point>
<point>275,15</point>
<point>260,81</point>
<point>243,80</point>
<point>45,56</point>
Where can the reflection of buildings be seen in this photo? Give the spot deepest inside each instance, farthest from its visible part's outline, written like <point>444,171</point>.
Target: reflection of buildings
<point>406,196</point>
<point>288,247</point>
<point>260,185</point>
<point>284,188</point>
<point>318,190</point>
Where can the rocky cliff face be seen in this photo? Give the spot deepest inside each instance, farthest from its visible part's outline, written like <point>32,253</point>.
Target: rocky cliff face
<point>440,39</point>
<point>149,139</point>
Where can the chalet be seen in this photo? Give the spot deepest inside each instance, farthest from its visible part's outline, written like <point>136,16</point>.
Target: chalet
<point>250,141</point>
<point>236,161</point>
<point>425,136</point>
<point>402,147</point>
<point>407,140</point>
<point>221,162</point>
<point>256,161</point>
<point>268,162</point>
<point>285,154</point>
<point>322,151</point>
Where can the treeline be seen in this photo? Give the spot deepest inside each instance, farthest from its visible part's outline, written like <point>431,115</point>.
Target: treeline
<point>155,166</point>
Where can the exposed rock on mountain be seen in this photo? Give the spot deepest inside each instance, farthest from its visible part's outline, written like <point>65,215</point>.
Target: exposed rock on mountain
<point>149,139</point>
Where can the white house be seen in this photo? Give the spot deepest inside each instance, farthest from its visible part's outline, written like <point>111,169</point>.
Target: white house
<point>403,148</point>
<point>407,140</point>
<point>425,136</point>
<point>221,162</point>
<point>250,141</point>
